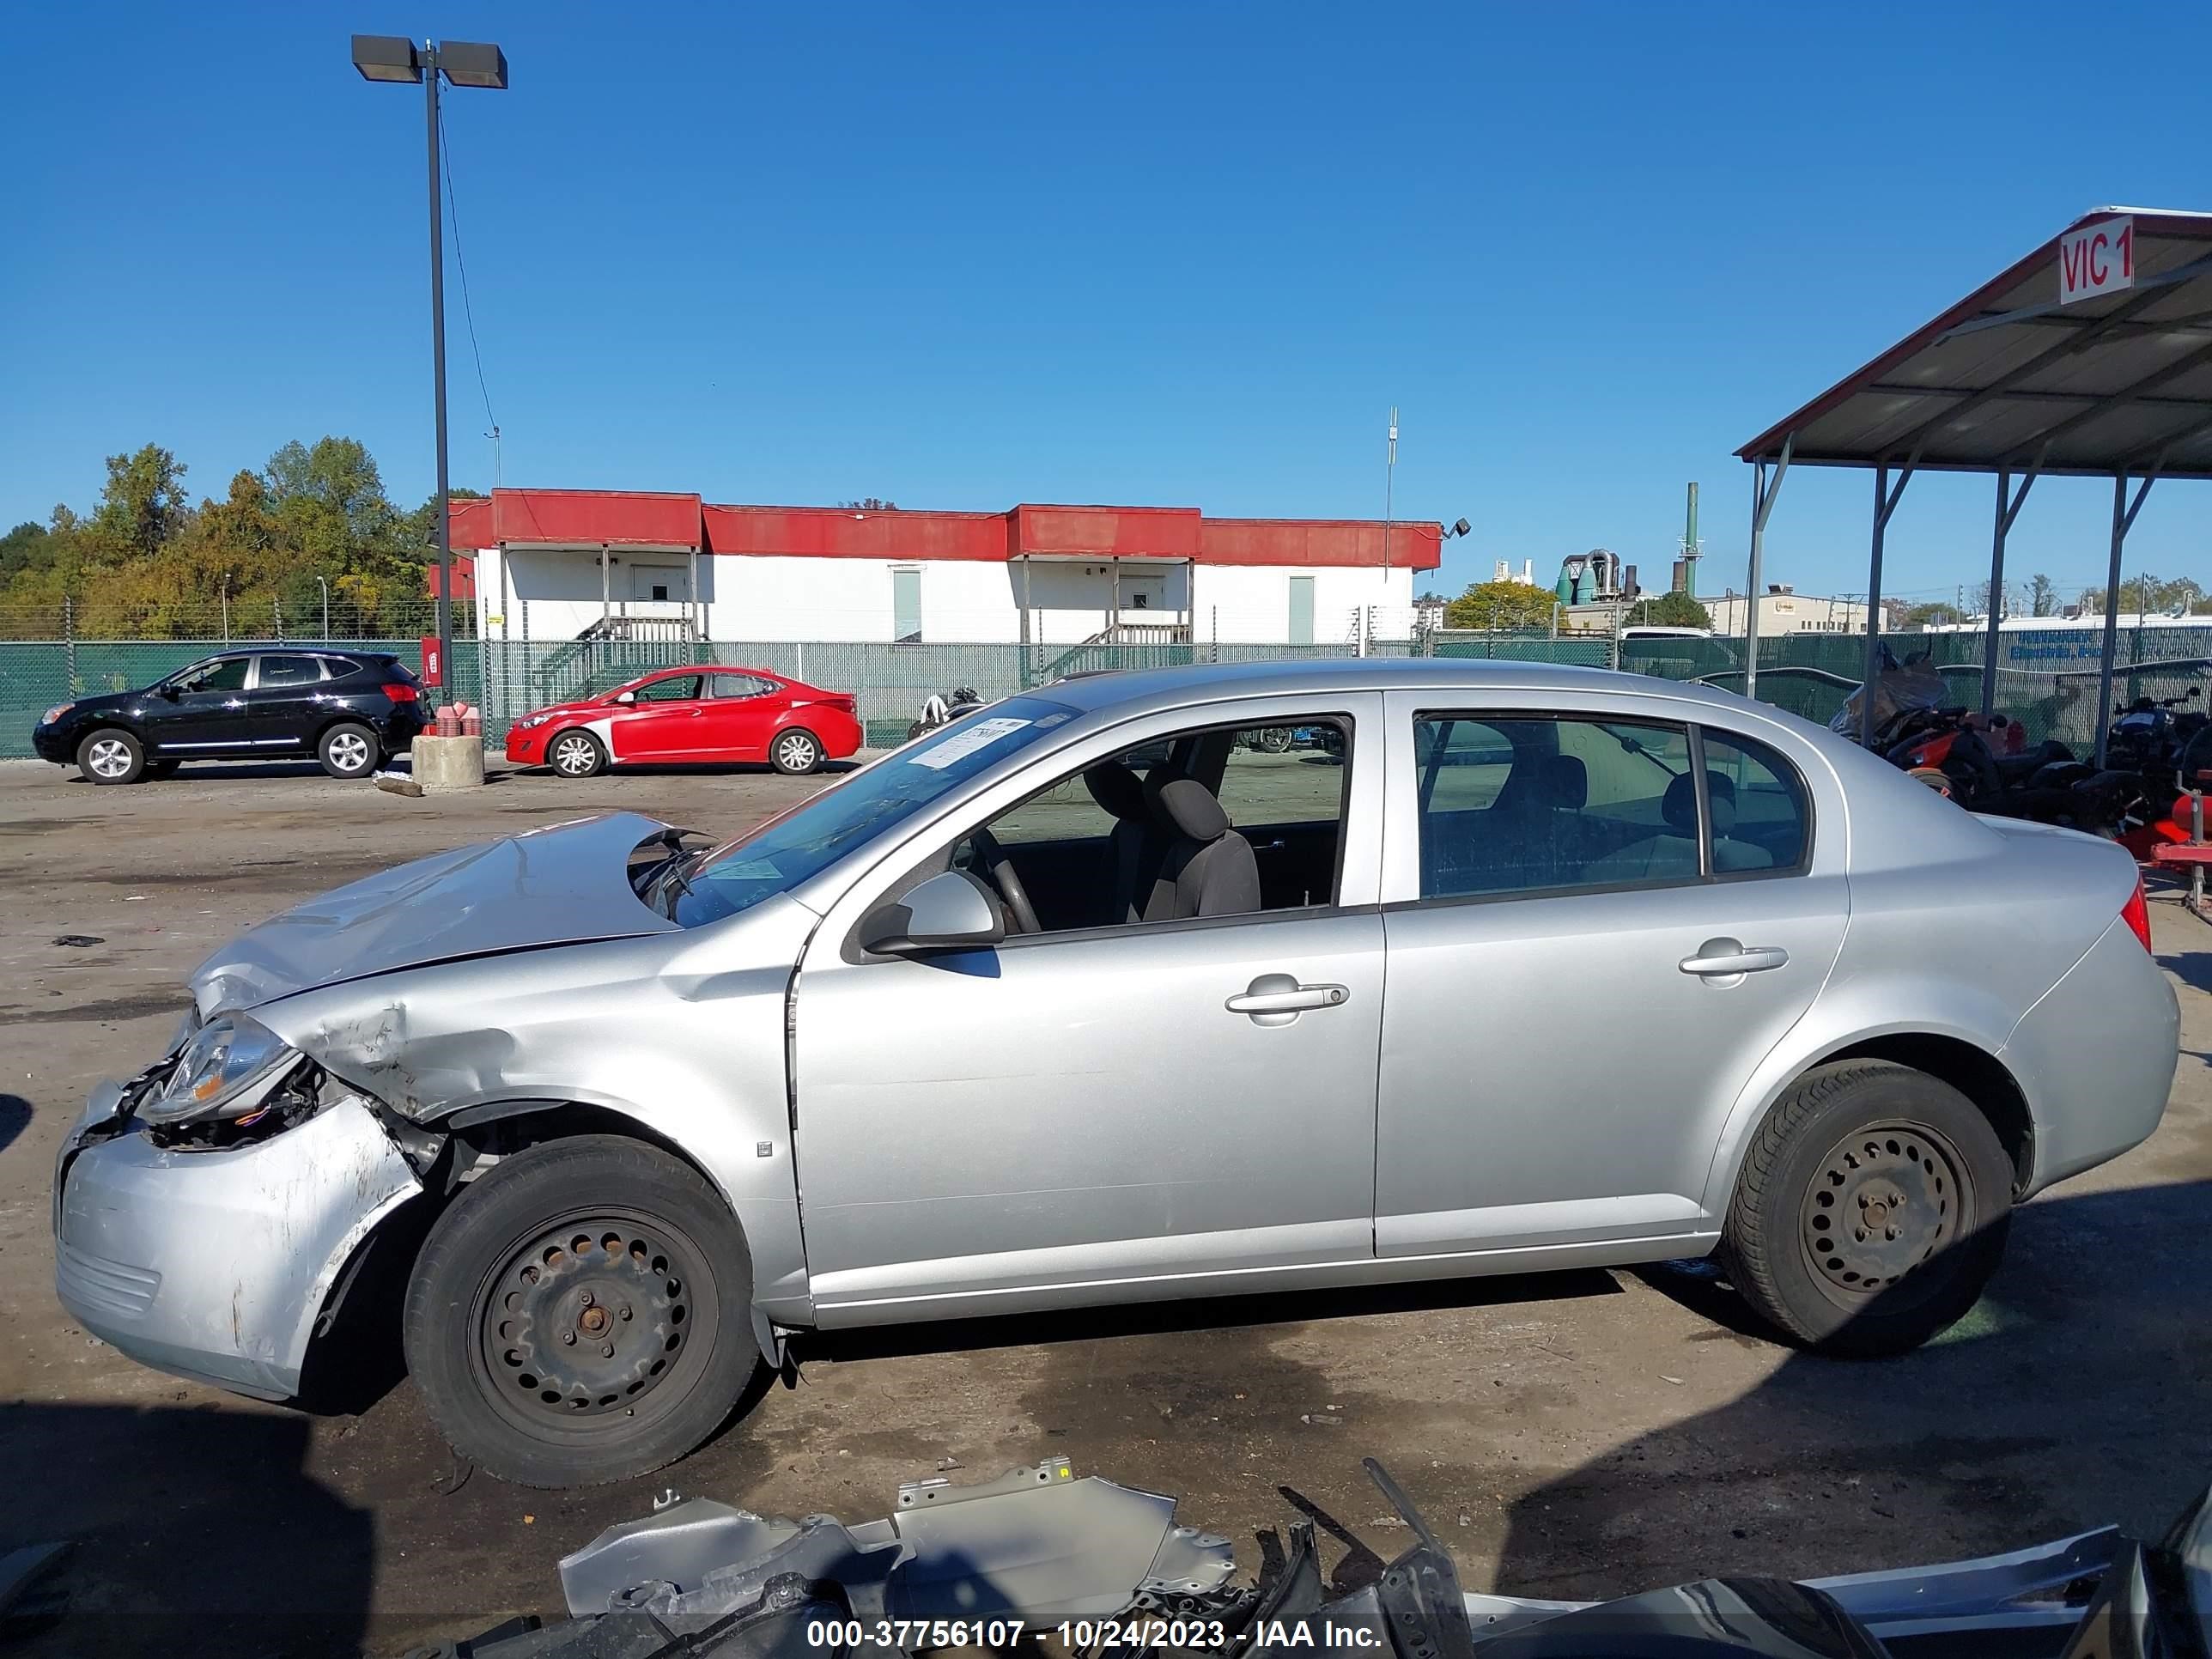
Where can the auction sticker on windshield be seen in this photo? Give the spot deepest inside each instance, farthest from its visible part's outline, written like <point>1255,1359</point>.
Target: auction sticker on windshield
<point>960,745</point>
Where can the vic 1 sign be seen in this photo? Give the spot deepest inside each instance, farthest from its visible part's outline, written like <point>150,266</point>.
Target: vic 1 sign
<point>2099,258</point>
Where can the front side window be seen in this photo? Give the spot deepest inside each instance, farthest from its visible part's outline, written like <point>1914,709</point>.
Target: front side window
<point>1219,821</point>
<point>679,688</point>
<point>1530,803</point>
<point>228,675</point>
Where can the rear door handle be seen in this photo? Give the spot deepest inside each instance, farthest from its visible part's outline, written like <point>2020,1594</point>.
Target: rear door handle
<point>1278,999</point>
<point>1725,958</point>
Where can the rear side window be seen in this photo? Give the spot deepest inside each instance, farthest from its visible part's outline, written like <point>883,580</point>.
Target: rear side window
<point>1525,804</point>
<point>339,667</point>
<point>1760,816</point>
<point>738,685</point>
<point>289,670</point>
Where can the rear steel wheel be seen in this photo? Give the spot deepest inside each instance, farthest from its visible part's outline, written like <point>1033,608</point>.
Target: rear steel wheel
<point>1870,1209</point>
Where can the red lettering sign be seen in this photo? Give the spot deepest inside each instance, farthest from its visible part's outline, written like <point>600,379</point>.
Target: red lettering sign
<point>2098,258</point>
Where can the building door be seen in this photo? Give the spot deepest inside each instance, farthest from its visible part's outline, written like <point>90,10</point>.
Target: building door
<point>906,607</point>
<point>1302,610</point>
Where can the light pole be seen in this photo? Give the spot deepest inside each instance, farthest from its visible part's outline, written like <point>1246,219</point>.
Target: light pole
<point>465,63</point>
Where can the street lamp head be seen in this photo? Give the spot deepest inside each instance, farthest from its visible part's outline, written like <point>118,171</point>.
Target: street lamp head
<point>473,64</point>
<point>1459,529</point>
<point>385,58</point>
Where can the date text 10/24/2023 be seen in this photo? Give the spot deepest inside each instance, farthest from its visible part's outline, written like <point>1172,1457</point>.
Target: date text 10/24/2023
<point>910,1635</point>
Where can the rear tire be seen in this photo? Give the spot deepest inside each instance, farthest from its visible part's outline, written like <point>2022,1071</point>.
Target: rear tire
<point>349,751</point>
<point>576,755</point>
<point>795,752</point>
<point>582,1314</point>
<point>1871,1209</point>
<point>109,756</point>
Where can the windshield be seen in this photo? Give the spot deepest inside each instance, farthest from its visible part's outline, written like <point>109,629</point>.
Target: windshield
<point>812,837</point>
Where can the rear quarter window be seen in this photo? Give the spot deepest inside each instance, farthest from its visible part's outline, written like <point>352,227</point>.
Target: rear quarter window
<point>338,667</point>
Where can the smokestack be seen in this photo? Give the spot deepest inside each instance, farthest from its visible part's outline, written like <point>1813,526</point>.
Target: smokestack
<point>1690,545</point>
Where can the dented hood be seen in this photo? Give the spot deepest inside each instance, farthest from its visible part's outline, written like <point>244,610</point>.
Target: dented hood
<point>563,885</point>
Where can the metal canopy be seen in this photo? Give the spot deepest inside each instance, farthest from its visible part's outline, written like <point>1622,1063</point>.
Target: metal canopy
<point>2090,356</point>
<point>2009,374</point>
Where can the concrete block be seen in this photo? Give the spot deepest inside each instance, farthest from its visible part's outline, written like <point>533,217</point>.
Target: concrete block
<point>442,764</point>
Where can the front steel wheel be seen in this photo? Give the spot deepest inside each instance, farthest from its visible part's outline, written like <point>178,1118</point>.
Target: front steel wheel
<point>581,1313</point>
<point>1871,1210</point>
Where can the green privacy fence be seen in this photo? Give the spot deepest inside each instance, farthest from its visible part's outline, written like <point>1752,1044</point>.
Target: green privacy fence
<point>2046,678</point>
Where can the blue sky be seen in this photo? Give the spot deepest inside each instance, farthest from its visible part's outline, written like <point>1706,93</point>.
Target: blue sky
<point>962,256</point>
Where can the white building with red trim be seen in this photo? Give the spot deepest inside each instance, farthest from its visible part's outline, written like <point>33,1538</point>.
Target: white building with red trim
<point>554,564</point>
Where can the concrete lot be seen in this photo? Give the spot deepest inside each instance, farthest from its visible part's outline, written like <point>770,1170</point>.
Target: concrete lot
<point>1573,1435</point>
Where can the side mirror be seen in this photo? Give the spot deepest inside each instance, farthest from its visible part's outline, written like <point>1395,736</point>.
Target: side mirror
<point>627,696</point>
<point>169,692</point>
<point>948,912</point>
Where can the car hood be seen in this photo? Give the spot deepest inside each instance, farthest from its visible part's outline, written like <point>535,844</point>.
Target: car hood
<point>563,885</point>
<point>576,708</point>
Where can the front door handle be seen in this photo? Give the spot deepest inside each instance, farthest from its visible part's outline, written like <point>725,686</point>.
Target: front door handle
<point>1278,999</point>
<point>1725,958</point>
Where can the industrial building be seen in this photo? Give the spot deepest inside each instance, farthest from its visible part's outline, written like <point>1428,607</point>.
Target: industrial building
<point>1783,610</point>
<point>554,564</point>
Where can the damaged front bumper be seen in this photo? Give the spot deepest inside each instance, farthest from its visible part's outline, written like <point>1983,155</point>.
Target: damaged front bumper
<point>215,1264</point>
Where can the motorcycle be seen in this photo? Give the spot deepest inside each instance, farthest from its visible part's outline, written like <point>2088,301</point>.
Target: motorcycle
<point>943,710</point>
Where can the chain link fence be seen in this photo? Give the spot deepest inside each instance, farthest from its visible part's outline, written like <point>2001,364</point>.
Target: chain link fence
<point>2046,678</point>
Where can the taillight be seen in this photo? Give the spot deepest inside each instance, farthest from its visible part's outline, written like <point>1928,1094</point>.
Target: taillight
<point>398,693</point>
<point>2137,913</point>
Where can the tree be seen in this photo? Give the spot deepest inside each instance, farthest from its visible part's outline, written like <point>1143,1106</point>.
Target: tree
<point>1921,615</point>
<point>2042,596</point>
<point>142,506</point>
<point>1675,610</point>
<point>871,504</point>
<point>1495,604</point>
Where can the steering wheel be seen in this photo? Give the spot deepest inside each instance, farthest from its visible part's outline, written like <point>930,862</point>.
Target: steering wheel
<point>993,857</point>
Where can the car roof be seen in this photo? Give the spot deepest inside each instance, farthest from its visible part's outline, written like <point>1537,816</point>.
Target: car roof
<point>1166,687</point>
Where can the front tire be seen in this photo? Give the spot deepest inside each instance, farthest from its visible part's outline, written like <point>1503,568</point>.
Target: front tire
<point>582,1314</point>
<point>795,752</point>
<point>1871,1210</point>
<point>348,750</point>
<point>111,756</point>
<point>576,755</point>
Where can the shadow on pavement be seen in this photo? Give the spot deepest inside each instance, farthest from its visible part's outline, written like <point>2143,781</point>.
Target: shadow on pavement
<point>14,1118</point>
<point>197,1532</point>
<point>2074,1394</point>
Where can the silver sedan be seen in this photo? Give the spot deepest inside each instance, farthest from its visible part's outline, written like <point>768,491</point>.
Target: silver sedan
<point>1152,985</point>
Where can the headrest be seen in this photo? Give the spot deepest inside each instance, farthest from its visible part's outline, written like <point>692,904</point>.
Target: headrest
<point>1190,810</point>
<point>1679,807</point>
<point>1117,789</point>
<point>1562,781</point>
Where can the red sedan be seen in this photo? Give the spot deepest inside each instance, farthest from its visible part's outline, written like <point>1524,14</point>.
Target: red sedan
<point>690,714</point>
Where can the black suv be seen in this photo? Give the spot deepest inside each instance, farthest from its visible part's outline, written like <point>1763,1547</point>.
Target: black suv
<point>348,709</point>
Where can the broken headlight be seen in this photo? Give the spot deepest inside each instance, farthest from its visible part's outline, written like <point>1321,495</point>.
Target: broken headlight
<point>226,1068</point>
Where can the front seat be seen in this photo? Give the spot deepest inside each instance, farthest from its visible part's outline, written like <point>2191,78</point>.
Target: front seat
<point>1135,847</point>
<point>1209,870</point>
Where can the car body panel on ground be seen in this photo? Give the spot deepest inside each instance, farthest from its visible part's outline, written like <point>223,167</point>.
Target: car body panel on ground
<point>259,703</point>
<point>1507,979</point>
<point>691,715</point>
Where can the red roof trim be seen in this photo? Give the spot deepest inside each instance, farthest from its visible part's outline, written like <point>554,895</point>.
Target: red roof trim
<point>1768,444</point>
<point>587,518</point>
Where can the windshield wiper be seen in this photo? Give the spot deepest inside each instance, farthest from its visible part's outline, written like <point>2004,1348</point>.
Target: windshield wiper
<point>674,881</point>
